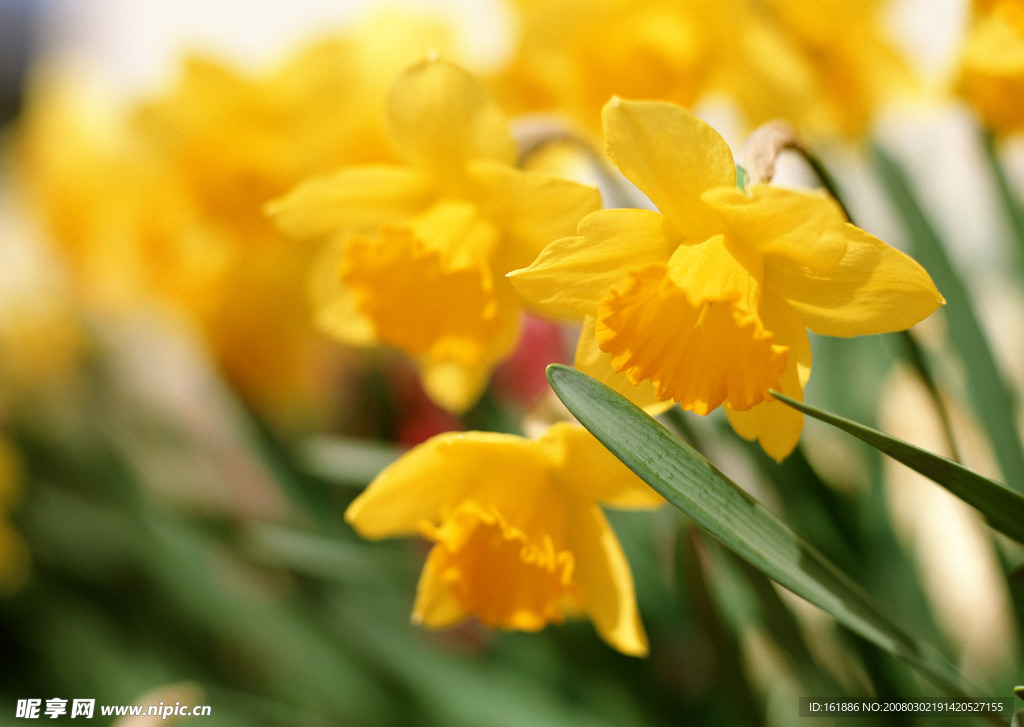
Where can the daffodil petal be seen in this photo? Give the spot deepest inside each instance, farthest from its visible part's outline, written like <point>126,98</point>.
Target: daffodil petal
<point>457,385</point>
<point>805,228</point>
<point>776,426</point>
<point>358,198</point>
<point>531,208</point>
<point>597,364</point>
<point>593,473</point>
<point>874,289</point>
<point>571,275</point>
<point>606,581</point>
<point>440,117</point>
<point>672,156</point>
<point>427,482</point>
<point>453,386</point>
<point>337,311</point>
<point>436,606</point>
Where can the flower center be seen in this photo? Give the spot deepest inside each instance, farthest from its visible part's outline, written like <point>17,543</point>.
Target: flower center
<point>700,354</point>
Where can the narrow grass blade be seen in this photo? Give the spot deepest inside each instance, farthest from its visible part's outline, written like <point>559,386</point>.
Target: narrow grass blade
<point>693,485</point>
<point>1003,507</point>
<point>1007,193</point>
<point>348,461</point>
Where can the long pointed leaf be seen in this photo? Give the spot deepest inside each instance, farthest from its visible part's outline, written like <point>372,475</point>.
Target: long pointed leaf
<point>693,485</point>
<point>1003,507</point>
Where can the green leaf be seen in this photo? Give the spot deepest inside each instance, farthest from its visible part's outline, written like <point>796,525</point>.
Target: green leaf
<point>992,398</point>
<point>693,485</point>
<point>1003,507</point>
<point>1007,193</point>
<point>349,461</point>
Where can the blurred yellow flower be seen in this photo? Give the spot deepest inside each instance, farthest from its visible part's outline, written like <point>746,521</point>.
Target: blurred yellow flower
<point>519,538</point>
<point>422,264</point>
<point>708,301</point>
<point>572,56</point>
<point>853,63</point>
<point>171,210</point>
<point>823,66</point>
<point>992,64</point>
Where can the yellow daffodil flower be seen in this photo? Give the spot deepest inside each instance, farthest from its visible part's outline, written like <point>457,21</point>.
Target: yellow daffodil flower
<point>519,538</point>
<point>422,268</point>
<point>707,302</point>
<point>992,64</point>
